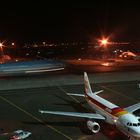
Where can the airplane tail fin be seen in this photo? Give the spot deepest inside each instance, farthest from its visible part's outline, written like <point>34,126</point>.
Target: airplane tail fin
<point>88,89</point>
<point>87,84</point>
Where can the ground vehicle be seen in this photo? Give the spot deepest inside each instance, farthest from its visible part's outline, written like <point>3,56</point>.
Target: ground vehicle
<point>20,134</point>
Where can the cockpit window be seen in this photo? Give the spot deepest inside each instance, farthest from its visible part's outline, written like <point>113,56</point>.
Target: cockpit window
<point>133,124</point>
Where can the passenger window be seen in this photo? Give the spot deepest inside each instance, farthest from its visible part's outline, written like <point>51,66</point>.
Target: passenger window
<point>134,124</point>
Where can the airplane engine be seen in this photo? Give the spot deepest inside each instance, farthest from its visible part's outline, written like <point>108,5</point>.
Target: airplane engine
<point>93,126</point>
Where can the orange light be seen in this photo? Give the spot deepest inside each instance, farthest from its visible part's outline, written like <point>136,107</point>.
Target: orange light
<point>1,44</point>
<point>104,42</point>
<point>105,64</point>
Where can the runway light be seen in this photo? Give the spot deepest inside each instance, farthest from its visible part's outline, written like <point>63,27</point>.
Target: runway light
<point>105,64</point>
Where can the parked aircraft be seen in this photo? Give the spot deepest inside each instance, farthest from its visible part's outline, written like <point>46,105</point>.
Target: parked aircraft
<point>129,55</point>
<point>122,118</point>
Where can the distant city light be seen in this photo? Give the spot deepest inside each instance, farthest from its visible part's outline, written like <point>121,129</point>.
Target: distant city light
<point>13,43</point>
<point>44,43</point>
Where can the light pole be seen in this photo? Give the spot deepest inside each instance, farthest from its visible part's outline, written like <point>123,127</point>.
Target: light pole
<point>1,53</point>
<point>1,49</point>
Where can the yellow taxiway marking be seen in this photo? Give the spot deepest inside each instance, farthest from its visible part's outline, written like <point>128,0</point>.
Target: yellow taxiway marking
<point>67,94</point>
<point>73,98</point>
<point>34,117</point>
<point>82,138</point>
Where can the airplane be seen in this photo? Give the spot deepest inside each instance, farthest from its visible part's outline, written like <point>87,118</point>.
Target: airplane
<point>122,118</point>
<point>129,56</point>
<point>30,67</point>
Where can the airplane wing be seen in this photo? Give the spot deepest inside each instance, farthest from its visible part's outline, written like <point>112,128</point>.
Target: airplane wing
<point>82,95</point>
<point>43,70</point>
<point>96,92</point>
<point>75,114</point>
<point>133,108</point>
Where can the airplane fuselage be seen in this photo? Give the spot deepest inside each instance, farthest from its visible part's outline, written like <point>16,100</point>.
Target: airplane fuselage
<point>30,67</point>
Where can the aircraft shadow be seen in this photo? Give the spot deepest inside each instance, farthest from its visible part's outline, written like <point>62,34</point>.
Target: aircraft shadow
<point>78,106</point>
<point>80,124</point>
<point>107,130</point>
<point>111,132</point>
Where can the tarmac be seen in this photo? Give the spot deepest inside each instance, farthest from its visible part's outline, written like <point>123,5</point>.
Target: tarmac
<point>64,78</point>
<point>21,97</point>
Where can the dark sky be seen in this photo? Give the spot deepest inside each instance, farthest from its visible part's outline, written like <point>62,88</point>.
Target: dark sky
<point>60,21</point>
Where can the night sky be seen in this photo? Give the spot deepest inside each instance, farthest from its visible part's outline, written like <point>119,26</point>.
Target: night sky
<point>69,21</point>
